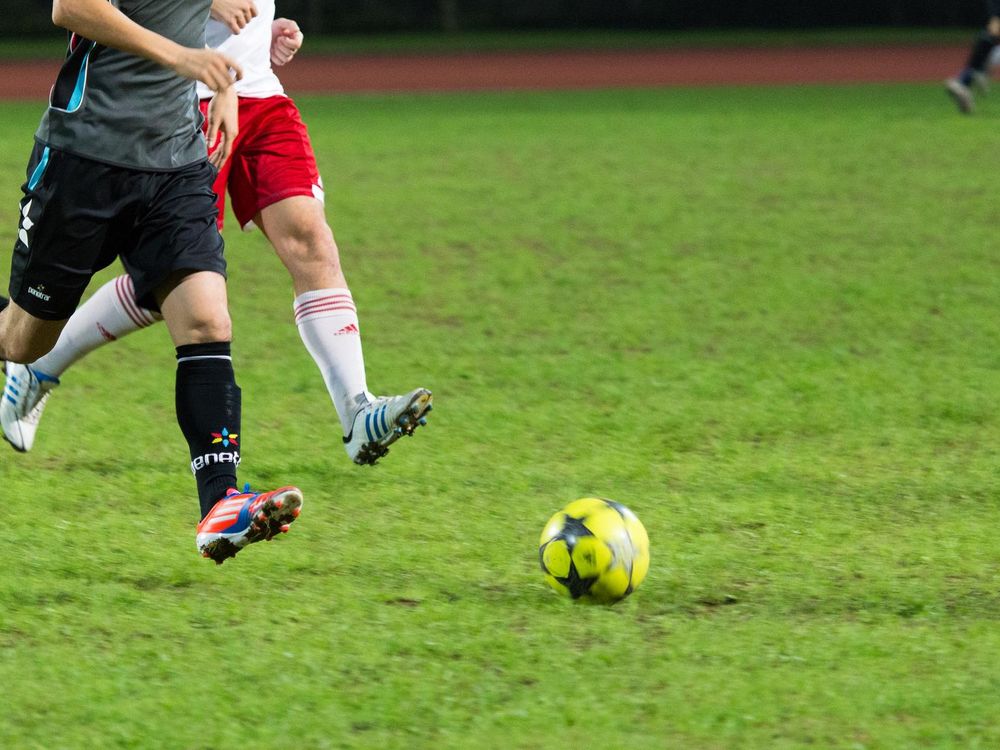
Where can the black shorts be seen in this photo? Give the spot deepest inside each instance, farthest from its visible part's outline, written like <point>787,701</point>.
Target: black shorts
<point>78,215</point>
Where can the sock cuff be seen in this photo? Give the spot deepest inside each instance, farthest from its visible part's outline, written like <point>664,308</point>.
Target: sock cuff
<point>323,302</point>
<point>125,294</point>
<point>212,350</point>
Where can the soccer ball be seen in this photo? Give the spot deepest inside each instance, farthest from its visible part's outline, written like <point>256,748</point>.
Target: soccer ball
<point>594,549</point>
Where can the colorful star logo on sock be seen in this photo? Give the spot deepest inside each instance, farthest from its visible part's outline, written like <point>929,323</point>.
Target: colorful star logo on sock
<point>225,437</point>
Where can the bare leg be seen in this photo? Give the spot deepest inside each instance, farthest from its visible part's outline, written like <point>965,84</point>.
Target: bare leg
<point>304,242</point>
<point>195,308</point>
<point>23,337</point>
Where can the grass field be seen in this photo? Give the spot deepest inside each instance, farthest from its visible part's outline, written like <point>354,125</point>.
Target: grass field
<point>763,318</point>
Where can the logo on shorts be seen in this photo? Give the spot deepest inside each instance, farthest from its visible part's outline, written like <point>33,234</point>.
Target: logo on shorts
<point>225,437</point>
<point>26,224</point>
<point>39,292</point>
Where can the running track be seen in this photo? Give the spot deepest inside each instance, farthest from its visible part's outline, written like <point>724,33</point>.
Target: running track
<point>576,70</point>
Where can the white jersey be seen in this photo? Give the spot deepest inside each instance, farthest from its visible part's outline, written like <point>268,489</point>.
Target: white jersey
<point>251,48</point>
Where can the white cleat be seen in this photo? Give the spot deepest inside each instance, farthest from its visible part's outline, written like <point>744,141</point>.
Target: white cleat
<point>981,82</point>
<point>380,423</point>
<point>22,403</point>
<point>961,95</point>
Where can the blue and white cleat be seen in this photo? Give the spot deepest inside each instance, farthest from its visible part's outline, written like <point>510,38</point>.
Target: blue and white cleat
<point>380,423</point>
<point>961,95</point>
<point>24,397</point>
<point>242,518</point>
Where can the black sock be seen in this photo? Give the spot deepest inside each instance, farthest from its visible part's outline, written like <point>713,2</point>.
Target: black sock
<point>208,411</point>
<point>981,49</point>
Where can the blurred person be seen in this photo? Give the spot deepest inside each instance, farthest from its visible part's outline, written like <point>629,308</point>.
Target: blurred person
<point>976,73</point>
<point>120,169</point>
<point>274,184</point>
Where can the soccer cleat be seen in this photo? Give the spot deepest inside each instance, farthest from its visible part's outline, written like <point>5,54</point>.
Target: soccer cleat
<point>961,95</point>
<point>380,423</point>
<point>242,518</point>
<point>24,397</point>
<point>981,82</point>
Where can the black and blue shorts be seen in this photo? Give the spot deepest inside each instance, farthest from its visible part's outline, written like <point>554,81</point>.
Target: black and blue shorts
<point>78,215</point>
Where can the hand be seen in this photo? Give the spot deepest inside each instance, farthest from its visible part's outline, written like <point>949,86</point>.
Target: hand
<point>214,69</point>
<point>286,39</point>
<point>224,120</point>
<point>235,14</point>
<point>993,26</point>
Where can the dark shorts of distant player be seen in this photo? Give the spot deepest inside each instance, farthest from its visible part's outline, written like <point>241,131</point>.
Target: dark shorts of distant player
<point>272,159</point>
<point>78,215</point>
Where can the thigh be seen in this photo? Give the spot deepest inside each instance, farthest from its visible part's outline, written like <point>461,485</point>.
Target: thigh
<point>175,230</point>
<point>275,160</point>
<point>68,207</point>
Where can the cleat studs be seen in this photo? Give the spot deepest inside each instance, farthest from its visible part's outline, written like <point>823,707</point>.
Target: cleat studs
<point>430,407</point>
<point>295,513</point>
<point>285,528</point>
<point>422,420</point>
<point>278,503</point>
<point>404,420</point>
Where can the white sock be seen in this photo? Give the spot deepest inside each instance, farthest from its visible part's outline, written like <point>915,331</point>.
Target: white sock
<point>109,314</point>
<point>328,324</point>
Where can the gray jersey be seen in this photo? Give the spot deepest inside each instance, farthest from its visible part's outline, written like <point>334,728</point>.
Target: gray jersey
<point>125,110</point>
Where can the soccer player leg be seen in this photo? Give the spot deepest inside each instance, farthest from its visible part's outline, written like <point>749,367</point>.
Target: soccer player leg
<point>209,405</point>
<point>110,314</point>
<point>25,391</point>
<point>208,400</point>
<point>178,262</point>
<point>23,337</point>
<point>327,320</point>
<point>61,243</point>
<point>45,287</point>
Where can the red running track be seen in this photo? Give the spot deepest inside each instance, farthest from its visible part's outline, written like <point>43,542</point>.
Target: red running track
<point>577,70</point>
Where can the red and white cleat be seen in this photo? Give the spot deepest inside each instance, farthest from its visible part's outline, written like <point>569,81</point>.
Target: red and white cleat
<point>242,518</point>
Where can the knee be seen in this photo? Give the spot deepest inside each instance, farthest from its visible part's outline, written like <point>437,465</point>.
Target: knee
<point>309,243</point>
<point>207,329</point>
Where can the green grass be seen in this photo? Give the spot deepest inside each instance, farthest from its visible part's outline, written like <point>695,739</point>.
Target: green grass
<point>53,46</point>
<point>763,318</point>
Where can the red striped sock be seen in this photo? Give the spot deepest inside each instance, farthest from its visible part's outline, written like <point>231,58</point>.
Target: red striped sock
<point>328,324</point>
<point>111,313</point>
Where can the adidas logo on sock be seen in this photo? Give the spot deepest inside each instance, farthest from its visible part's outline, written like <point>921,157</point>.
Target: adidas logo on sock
<point>348,329</point>
<point>106,334</point>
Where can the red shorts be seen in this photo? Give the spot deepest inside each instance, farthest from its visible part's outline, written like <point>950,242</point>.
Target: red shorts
<point>272,159</point>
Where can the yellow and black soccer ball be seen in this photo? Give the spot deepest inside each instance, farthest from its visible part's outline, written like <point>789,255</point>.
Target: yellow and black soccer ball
<point>594,550</point>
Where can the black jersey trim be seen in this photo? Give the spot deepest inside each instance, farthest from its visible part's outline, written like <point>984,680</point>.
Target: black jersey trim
<point>71,84</point>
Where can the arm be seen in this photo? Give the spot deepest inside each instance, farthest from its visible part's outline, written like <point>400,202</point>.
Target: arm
<point>236,14</point>
<point>101,22</point>
<point>286,39</point>
<point>224,119</point>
